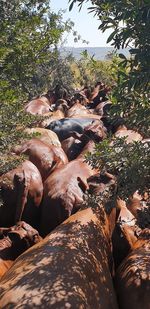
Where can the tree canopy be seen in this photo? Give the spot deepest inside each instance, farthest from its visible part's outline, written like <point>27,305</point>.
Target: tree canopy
<point>130,24</point>
<point>29,31</point>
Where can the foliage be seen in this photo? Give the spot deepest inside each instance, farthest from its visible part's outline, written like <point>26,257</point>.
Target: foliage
<point>132,105</point>
<point>61,71</point>
<point>130,25</point>
<point>72,73</point>
<point>92,70</point>
<point>13,121</point>
<point>130,21</point>
<point>125,162</point>
<point>29,30</point>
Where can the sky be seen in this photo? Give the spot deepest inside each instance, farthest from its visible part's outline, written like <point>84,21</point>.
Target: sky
<point>85,24</point>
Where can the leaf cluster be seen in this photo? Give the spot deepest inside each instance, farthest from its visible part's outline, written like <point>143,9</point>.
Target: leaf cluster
<point>130,24</point>
<point>128,162</point>
<point>13,121</point>
<point>91,70</point>
<point>29,31</point>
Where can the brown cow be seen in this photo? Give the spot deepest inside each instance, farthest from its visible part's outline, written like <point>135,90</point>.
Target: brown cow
<point>47,136</point>
<point>68,269</point>
<point>37,107</point>
<point>80,111</point>
<point>72,147</point>
<point>125,233</point>
<point>77,110</point>
<point>22,192</point>
<point>77,143</point>
<point>139,207</point>
<point>101,187</point>
<point>41,104</point>
<point>45,157</point>
<point>133,276</point>
<point>63,193</point>
<point>120,130</point>
<point>15,241</point>
<point>51,116</point>
<point>46,99</point>
<point>130,135</point>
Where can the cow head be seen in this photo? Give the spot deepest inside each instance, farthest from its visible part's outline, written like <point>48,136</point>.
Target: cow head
<point>95,131</point>
<point>18,238</point>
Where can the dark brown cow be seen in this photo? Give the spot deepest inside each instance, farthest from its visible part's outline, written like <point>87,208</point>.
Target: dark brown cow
<point>45,157</point>
<point>63,193</point>
<point>99,95</point>
<point>68,269</point>
<point>22,192</point>
<point>96,90</point>
<point>133,276</point>
<point>62,106</point>
<point>103,108</point>
<point>15,241</point>
<point>79,97</point>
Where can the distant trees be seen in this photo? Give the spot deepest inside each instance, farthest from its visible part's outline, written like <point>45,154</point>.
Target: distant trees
<point>130,23</point>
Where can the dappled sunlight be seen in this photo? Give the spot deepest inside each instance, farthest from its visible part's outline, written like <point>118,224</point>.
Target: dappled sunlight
<point>69,266</point>
<point>133,275</point>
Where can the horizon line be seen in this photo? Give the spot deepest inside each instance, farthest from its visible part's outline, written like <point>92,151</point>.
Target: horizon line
<point>87,46</point>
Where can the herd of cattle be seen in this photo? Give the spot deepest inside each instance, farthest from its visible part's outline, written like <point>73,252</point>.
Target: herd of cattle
<point>80,257</point>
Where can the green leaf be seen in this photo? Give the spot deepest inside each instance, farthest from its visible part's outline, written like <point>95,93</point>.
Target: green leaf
<point>71,5</point>
<point>122,56</point>
<point>110,38</point>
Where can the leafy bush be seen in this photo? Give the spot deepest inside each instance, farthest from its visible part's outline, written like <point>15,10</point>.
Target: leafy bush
<point>29,31</point>
<point>130,25</point>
